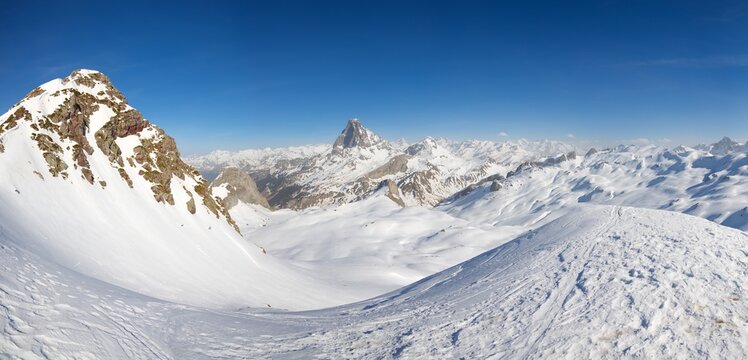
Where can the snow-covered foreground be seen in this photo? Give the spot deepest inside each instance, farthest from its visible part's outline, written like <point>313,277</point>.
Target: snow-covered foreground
<point>599,281</point>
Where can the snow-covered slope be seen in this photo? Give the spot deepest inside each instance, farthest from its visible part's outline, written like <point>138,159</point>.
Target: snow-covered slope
<point>599,282</point>
<point>371,246</point>
<point>360,163</point>
<point>712,185</point>
<point>89,184</point>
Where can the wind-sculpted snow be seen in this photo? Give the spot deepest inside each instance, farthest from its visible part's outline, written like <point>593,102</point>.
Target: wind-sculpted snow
<point>600,282</point>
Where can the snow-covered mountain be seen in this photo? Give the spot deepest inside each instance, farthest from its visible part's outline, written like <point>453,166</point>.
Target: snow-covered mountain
<point>384,247</point>
<point>710,182</point>
<point>360,162</point>
<point>86,182</point>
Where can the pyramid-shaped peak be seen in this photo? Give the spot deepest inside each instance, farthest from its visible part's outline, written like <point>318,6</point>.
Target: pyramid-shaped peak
<point>356,135</point>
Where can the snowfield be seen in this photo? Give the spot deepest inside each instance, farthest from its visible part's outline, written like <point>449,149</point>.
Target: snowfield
<point>599,282</point>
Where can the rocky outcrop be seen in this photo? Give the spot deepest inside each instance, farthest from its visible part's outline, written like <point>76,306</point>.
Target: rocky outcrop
<point>393,192</point>
<point>51,152</point>
<point>122,124</point>
<point>239,186</point>
<point>355,135</point>
<point>418,185</point>
<point>397,164</point>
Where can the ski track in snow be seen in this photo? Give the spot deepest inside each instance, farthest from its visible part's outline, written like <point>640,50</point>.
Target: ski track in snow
<point>602,282</point>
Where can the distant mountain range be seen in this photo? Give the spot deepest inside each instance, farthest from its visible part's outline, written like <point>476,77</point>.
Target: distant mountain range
<point>360,162</point>
<point>710,181</point>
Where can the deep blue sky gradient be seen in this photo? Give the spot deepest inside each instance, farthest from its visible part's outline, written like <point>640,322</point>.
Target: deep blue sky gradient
<point>234,75</point>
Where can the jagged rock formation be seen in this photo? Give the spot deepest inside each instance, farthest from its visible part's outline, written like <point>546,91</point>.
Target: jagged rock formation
<point>356,135</point>
<point>89,117</point>
<point>236,186</point>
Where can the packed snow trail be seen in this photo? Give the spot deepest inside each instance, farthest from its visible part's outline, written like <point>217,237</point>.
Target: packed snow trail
<point>601,282</point>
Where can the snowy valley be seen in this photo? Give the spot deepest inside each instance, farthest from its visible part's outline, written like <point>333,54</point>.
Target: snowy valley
<point>114,246</point>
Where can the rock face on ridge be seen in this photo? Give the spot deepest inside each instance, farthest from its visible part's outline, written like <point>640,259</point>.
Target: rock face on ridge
<point>356,135</point>
<point>237,186</point>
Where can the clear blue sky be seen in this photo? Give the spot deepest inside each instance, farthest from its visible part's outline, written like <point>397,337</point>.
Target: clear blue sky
<point>247,74</point>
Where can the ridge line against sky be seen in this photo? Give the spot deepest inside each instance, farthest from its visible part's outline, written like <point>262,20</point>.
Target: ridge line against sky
<point>244,74</point>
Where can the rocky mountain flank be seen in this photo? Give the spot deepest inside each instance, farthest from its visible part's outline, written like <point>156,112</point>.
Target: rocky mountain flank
<point>234,185</point>
<point>84,127</point>
<point>360,163</point>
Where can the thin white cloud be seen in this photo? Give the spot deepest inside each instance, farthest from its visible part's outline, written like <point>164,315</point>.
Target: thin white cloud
<point>731,60</point>
<point>570,136</point>
<point>503,134</point>
<point>639,141</point>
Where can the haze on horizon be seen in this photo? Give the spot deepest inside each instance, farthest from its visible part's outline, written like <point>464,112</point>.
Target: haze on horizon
<point>236,75</point>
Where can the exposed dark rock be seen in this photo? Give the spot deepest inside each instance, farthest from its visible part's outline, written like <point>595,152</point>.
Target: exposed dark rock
<point>240,187</point>
<point>125,177</point>
<point>20,114</point>
<point>129,122</point>
<point>355,135</point>
<point>495,185</point>
<point>34,93</point>
<point>191,204</point>
<point>393,192</point>
<point>162,194</point>
<point>56,165</point>
<point>418,184</point>
<point>73,118</point>
<point>396,164</point>
<point>87,175</point>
